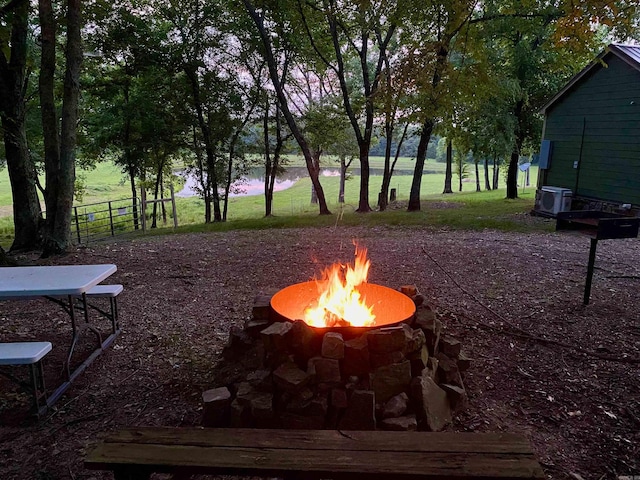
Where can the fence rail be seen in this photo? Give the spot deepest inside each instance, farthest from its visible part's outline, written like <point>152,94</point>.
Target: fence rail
<point>96,221</point>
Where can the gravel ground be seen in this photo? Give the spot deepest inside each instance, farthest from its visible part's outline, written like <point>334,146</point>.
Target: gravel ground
<point>564,375</point>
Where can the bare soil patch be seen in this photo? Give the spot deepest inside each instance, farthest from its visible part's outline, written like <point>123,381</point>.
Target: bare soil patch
<point>565,375</point>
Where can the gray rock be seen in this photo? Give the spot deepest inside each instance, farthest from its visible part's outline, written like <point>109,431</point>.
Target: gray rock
<point>261,307</point>
<point>290,378</point>
<point>260,380</point>
<point>216,407</point>
<point>304,341</point>
<point>324,370</point>
<point>389,339</point>
<point>276,337</point>
<point>448,370</point>
<point>390,380</point>
<point>339,398</point>
<point>356,357</point>
<point>400,424</point>
<point>360,414</point>
<point>396,406</point>
<point>432,405</point>
<point>419,360</point>
<point>381,359</point>
<point>450,346</point>
<point>333,346</point>
<point>418,340</point>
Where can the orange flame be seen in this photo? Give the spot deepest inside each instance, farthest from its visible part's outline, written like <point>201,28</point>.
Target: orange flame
<point>339,302</point>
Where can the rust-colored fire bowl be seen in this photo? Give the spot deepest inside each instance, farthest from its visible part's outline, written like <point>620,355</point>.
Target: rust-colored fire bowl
<point>389,306</point>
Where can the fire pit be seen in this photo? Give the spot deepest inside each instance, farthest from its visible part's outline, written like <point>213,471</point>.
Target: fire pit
<point>339,352</point>
<point>343,299</point>
<point>389,306</point>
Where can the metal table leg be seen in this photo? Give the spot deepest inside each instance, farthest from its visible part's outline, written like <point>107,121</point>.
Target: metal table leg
<point>592,260</point>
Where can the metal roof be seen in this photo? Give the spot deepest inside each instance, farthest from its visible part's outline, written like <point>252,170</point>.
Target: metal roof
<point>627,53</point>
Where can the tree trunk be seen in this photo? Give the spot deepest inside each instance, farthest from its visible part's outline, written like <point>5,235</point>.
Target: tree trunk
<point>386,179</point>
<point>512,172</point>
<point>5,260</point>
<point>496,173</point>
<point>316,165</point>
<point>22,174</point>
<point>269,169</point>
<point>477,177</point>
<point>383,197</point>
<point>128,160</point>
<point>487,184</point>
<point>212,180</point>
<point>58,231</point>
<point>448,174</point>
<point>343,178</point>
<point>421,155</point>
<point>156,191</point>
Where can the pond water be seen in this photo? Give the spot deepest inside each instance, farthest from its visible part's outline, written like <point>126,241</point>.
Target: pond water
<point>253,184</point>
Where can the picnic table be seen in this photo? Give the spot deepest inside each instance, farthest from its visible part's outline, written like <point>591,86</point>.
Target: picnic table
<point>55,282</point>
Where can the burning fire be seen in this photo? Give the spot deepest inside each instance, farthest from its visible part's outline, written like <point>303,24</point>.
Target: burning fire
<point>339,303</point>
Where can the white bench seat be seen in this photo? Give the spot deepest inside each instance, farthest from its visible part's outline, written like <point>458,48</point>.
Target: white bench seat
<point>105,291</point>
<point>32,354</point>
<point>23,353</point>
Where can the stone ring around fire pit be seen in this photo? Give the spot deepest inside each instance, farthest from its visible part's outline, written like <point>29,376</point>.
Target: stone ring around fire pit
<point>389,306</point>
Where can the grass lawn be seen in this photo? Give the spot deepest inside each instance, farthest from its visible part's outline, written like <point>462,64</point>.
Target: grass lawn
<point>292,207</point>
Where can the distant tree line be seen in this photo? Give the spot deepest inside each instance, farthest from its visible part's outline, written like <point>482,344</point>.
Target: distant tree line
<point>218,86</point>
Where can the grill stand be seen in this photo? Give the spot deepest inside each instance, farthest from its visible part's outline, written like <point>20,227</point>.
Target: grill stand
<point>599,226</point>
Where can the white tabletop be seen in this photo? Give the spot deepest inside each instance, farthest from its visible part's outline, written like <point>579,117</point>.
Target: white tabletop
<point>51,280</point>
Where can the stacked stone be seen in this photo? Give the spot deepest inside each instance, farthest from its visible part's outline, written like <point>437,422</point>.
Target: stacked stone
<point>403,377</point>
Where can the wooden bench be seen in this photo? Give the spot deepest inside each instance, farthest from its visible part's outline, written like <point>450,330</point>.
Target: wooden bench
<point>28,353</point>
<point>135,453</point>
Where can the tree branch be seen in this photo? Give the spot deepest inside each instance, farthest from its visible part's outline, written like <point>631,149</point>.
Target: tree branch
<point>9,7</point>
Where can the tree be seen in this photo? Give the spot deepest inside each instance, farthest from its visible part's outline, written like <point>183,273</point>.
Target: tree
<point>428,63</point>
<point>14,78</point>
<point>259,17</point>
<point>59,146</point>
<point>122,78</point>
<point>273,159</point>
<point>538,47</point>
<point>449,168</point>
<point>362,31</point>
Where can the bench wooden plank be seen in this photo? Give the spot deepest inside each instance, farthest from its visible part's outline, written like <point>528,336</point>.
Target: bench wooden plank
<point>326,439</point>
<point>316,454</point>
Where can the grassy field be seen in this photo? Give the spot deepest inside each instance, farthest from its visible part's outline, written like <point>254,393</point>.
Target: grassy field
<point>292,206</point>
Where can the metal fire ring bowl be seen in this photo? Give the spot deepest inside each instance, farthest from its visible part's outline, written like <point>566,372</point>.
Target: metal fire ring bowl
<point>389,306</point>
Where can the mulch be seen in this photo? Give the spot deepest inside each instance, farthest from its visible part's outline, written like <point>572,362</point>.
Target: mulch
<point>563,374</point>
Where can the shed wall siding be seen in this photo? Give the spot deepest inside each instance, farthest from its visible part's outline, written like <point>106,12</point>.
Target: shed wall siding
<point>610,165</point>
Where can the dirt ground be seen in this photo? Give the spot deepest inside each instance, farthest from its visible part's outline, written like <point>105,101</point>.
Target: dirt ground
<point>565,375</point>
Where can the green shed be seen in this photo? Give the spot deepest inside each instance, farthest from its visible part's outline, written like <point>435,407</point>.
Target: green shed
<point>590,152</point>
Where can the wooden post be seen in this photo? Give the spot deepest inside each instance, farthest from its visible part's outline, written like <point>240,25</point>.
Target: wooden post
<point>143,204</point>
<point>173,206</point>
<point>75,211</point>
<point>111,219</point>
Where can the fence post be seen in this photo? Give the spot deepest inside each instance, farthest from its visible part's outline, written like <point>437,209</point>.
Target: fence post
<point>143,205</point>
<point>173,206</point>
<point>75,211</point>
<point>111,220</point>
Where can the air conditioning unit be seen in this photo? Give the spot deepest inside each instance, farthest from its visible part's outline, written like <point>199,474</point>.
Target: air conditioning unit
<point>552,200</point>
